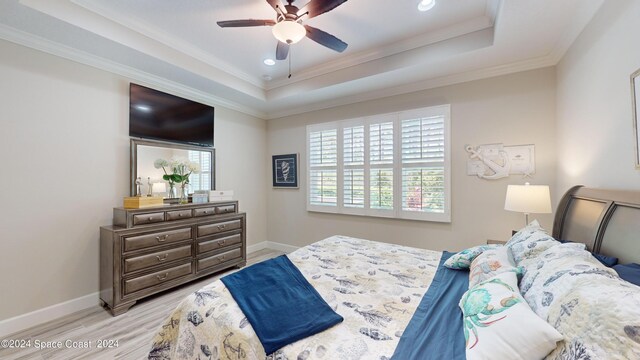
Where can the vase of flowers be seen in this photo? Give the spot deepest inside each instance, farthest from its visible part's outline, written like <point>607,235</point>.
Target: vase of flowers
<point>180,170</point>
<point>172,193</point>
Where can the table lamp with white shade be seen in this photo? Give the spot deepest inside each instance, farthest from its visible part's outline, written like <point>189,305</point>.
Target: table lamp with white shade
<point>528,199</point>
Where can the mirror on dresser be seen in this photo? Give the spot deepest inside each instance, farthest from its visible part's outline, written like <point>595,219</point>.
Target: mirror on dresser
<point>145,152</point>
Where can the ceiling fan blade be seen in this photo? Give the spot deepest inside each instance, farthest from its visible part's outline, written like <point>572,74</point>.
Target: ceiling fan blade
<point>277,4</point>
<point>245,23</point>
<point>325,39</point>
<point>282,51</point>
<point>319,7</point>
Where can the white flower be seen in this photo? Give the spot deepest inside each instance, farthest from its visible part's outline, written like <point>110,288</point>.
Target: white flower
<point>160,163</point>
<point>194,167</point>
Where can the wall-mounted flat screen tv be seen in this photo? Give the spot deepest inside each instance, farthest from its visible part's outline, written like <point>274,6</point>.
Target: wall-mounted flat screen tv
<point>161,116</point>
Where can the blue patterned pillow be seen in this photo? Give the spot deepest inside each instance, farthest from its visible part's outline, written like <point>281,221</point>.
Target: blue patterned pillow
<point>608,261</point>
<point>530,242</point>
<point>463,259</point>
<point>524,233</point>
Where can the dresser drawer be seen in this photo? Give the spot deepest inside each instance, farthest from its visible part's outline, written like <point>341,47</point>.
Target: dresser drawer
<point>225,209</point>
<point>219,243</point>
<point>155,239</point>
<point>149,218</point>
<point>156,278</point>
<point>178,215</point>
<point>219,259</point>
<point>160,257</point>
<point>204,211</point>
<point>204,230</point>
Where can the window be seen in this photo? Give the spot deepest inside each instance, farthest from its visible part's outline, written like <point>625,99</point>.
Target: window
<point>202,179</point>
<point>392,165</point>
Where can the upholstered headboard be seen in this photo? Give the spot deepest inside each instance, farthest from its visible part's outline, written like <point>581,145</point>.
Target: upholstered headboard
<point>607,221</point>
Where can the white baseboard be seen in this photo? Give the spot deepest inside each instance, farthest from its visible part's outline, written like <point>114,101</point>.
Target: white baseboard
<point>281,247</point>
<point>271,245</point>
<point>41,316</point>
<point>257,247</point>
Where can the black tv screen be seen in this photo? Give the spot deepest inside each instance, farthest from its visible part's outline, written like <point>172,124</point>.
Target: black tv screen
<point>157,115</point>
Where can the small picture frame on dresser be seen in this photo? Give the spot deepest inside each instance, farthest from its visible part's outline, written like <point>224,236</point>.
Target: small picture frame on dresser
<point>285,171</point>
<point>635,103</point>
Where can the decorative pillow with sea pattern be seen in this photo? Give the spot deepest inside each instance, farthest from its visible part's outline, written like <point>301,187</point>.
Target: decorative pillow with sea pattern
<point>491,263</point>
<point>463,259</point>
<point>499,325</point>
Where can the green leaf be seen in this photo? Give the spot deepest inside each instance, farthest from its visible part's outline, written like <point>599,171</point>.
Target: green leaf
<point>166,177</point>
<point>176,178</point>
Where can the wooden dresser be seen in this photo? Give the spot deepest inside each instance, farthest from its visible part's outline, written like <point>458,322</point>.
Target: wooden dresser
<point>149,250</point>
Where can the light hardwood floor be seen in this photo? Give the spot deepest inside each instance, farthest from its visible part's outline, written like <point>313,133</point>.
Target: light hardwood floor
<point>133,330</point>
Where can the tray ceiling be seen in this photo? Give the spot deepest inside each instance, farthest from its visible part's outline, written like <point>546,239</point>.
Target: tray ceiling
<point>176,46</point>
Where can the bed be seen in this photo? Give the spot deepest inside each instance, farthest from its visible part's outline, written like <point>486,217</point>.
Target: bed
<point>377,287</point>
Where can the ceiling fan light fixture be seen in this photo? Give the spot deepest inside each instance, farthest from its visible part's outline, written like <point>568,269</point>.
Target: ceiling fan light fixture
<point>426,5</point>
<point>289,32</point>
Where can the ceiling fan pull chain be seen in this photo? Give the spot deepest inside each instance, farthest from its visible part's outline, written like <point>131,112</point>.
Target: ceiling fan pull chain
<point>290,54</point>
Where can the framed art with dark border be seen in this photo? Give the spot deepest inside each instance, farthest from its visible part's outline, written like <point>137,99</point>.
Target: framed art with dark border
<point>285,171</point>
<point>635,102</point>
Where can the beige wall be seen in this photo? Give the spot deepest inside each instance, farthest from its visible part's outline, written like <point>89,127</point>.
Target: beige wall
<point>514,109</point>
<point>596,146</point>
<point>65,164</point>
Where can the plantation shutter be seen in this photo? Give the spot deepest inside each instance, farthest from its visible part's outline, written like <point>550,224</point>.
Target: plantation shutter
<point>391,165</point>
<point>323,167</point>
<point>423,164</point>
<point>381,165</point>
<point>353,194</point>
<point>201,180</point>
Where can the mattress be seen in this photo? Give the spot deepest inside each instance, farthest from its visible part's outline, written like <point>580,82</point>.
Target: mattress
<point>375,286</point>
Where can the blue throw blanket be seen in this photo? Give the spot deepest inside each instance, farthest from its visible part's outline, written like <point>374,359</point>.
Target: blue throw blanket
<point>279,302</point>
<point>435,330</point>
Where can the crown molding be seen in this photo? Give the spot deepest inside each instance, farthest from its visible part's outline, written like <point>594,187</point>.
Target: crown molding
<point>139,26</point>
<point>442,81</point>
<point>85,20</point>
<point>377,53</point>
<point>38,43</point>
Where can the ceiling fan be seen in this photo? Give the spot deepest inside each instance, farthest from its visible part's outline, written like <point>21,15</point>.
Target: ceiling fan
<point>288,28</point>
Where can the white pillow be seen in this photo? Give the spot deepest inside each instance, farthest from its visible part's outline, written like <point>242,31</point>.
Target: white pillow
<point>499,325</point>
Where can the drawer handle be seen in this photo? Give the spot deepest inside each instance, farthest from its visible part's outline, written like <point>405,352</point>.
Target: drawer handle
<point>221,227</point>
<point>150,218</point>
<point>163,277</point>
<point>163,258</point>
<point>222,258</point>
<point>221,242</point>
<point>162,238</point>
<point>206,211</point>
<point>179,215</point>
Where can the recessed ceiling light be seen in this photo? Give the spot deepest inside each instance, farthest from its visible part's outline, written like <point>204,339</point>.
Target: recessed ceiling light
<point>269,62</point>
<point>267,77</point>
<point>426,5</point>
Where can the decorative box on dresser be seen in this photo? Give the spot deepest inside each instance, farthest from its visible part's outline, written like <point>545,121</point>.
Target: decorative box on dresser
<point>149,250</point>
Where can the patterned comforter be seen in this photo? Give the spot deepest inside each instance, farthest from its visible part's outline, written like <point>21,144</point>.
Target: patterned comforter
<point>375,286</point>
